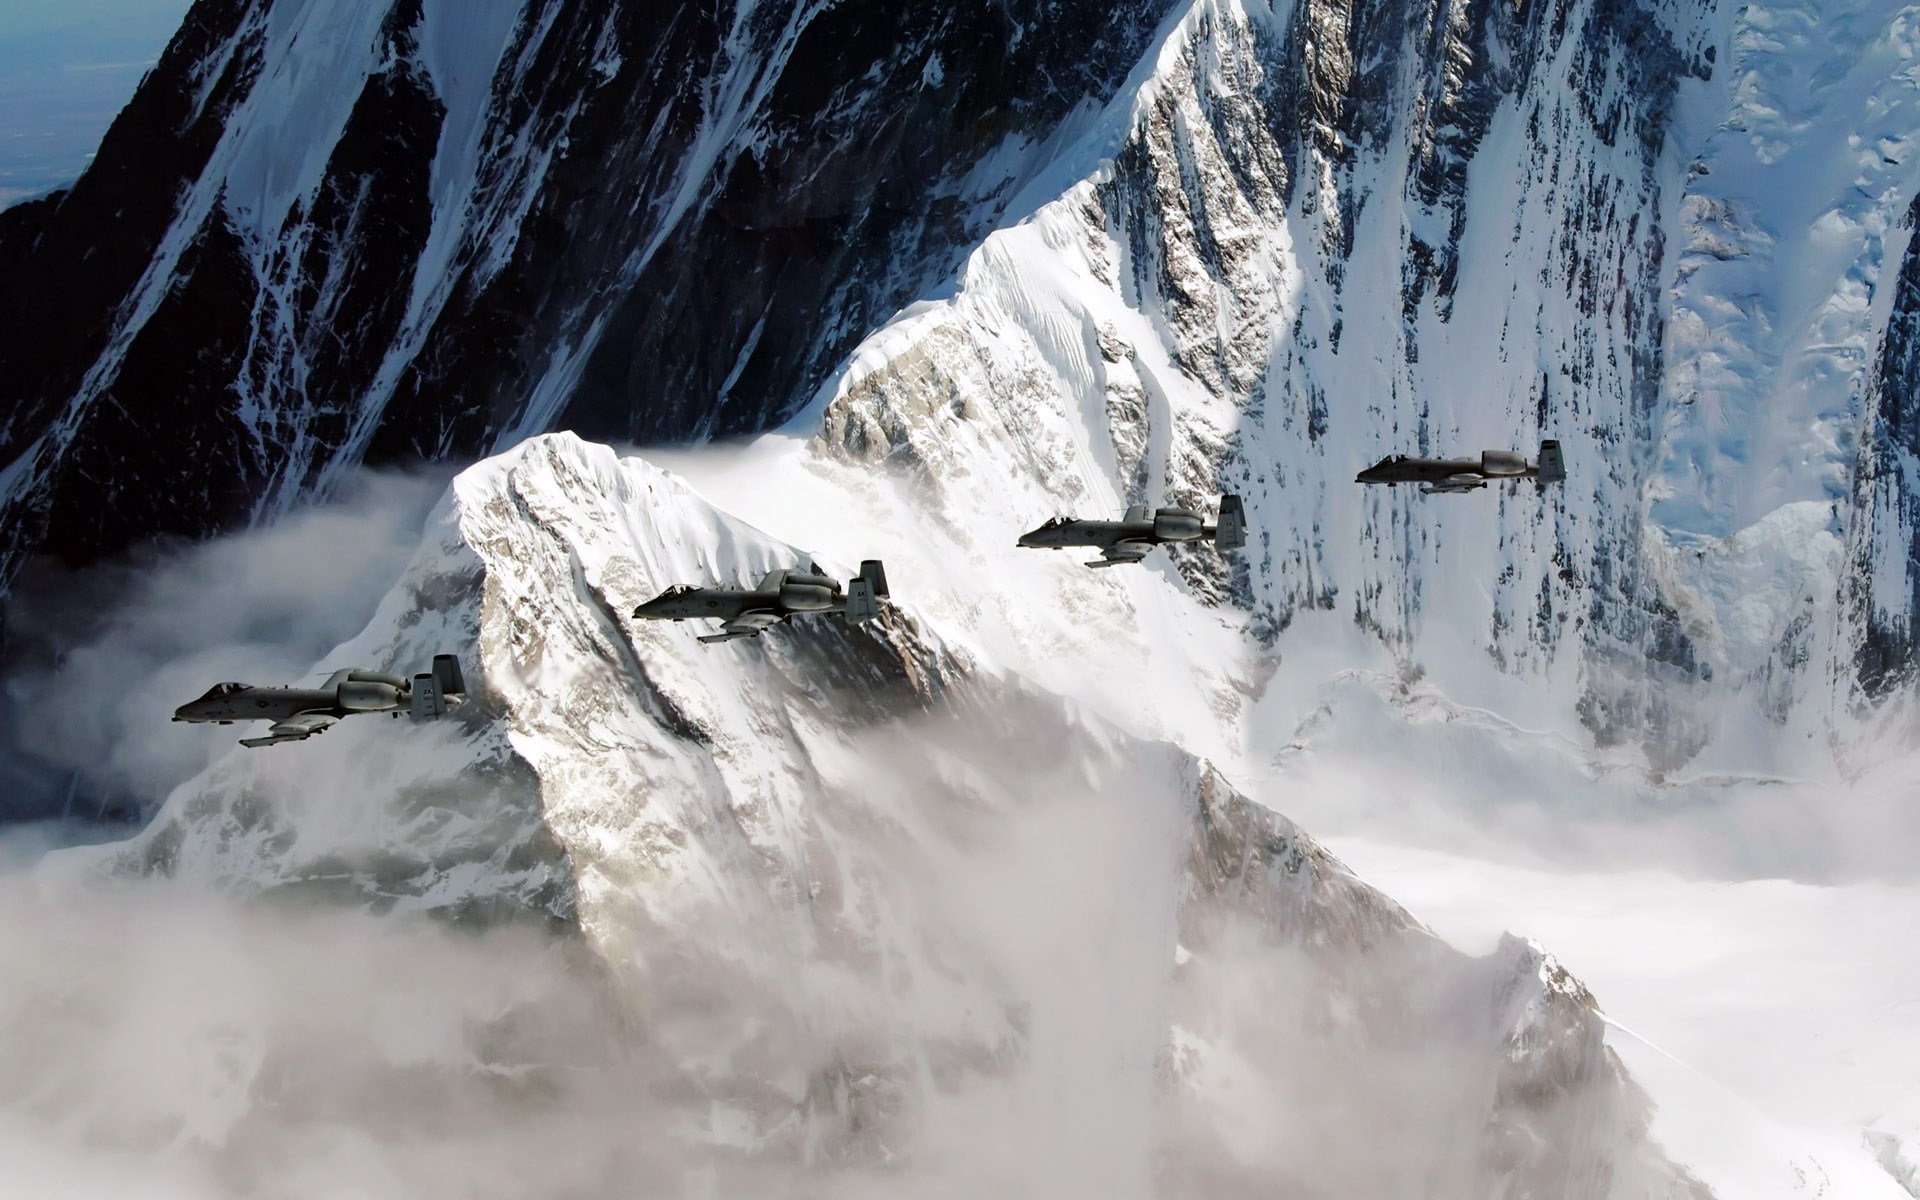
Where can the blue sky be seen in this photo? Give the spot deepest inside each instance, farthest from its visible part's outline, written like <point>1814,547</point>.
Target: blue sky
<point>66,68</point>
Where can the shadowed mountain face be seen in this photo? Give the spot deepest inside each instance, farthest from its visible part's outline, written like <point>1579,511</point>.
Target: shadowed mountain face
<point>327,232</point>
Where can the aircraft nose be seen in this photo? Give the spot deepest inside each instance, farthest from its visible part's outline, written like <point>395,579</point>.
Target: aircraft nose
<point>660,606</point>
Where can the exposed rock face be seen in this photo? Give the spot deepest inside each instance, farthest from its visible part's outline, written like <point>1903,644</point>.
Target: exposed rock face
<point>868,896</point>
<point>1882,592</point>
<point>327,232</point>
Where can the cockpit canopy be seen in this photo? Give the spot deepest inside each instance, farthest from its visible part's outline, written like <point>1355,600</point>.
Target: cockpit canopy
<point>219,690</point>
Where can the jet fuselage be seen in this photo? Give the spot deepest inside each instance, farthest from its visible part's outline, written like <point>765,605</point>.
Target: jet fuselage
<point>1401,469</point>
<point>244,702</point>
<point>1140,530</point>
<point>749,612</point>
<point>297,713</point>
<point>1441,475</point>
<point>796,593</point>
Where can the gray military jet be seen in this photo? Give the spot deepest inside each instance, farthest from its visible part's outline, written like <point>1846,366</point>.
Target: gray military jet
<point>1130,538</point>
<point>778,596</point>
<point>1465,474</point>
<point>299,713</point>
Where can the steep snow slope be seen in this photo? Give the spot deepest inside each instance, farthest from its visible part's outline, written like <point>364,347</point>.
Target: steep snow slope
<point>1773,499</point>
<point>1226,303</point>
<point>1222,300</point>
<point>865,899</point>
<point>331,230</point>
<point>1269,241</point>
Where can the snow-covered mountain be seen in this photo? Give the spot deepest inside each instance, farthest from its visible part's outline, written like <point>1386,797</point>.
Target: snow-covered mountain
<point>878,903</point>
<point>327,231</point>
<point>1239,244</point>
<point>960,272</point>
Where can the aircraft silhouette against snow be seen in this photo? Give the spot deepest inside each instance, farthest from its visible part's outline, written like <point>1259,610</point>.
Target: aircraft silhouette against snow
<point>299,713</point>
<point>780,595</point>
<point>1130,538</point>
<point>1447,475</point>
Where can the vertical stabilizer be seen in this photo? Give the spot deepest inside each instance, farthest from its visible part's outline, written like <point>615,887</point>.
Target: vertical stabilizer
<point>864,592</point>
<point>1232,531</point>
<point>447,674</point>
<point>1553,468</point>
<point>426,702</point>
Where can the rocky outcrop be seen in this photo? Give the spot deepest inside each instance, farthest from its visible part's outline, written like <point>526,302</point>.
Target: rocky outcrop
<point>326,233</point>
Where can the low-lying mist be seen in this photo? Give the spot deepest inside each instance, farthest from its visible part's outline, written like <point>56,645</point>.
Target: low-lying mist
<point>96,660</point>
<point>970,972</point>
<point>980,989</point>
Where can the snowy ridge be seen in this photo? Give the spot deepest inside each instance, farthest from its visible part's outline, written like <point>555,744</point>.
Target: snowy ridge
<point>824,907</point>
<point>1224,303</point>
<point>407,229</point>
<point>1202,315</point>
<point>1243,244</point>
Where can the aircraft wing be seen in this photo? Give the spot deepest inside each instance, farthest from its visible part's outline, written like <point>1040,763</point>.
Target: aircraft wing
<point>1455,483</point>
<point>1122,552</point>
<point>293,729</point>
<point>747,624</point>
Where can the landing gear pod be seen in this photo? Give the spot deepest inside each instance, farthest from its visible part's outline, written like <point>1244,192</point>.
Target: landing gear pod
<point>1231,533</point>
<point>1553,468</point>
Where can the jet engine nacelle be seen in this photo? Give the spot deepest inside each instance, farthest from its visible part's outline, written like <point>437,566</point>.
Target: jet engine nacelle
<point>393,681</point>
<point>1177,525</point>
<point>361,695</point>
<point>806,597</point>
<point>1501,464</point>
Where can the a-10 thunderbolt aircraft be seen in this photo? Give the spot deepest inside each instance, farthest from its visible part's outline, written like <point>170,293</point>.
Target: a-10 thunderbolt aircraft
<point>1466,474</point>
<point>1130,538</point>
<point>749,612</point>
<point>299,713</point>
